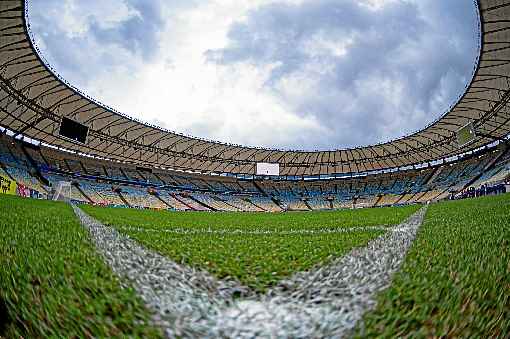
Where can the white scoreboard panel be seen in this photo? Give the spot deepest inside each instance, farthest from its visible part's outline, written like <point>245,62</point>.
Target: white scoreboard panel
<point>264,168</point>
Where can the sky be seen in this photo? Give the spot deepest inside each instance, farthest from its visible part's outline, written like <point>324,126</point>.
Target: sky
<point>286,74</point>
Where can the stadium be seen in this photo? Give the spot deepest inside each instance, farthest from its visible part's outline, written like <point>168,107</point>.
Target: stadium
<point>115,227</point>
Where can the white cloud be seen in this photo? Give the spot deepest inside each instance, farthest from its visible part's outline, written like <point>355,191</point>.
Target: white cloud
<point>73,16</point>
<point>180,88</point>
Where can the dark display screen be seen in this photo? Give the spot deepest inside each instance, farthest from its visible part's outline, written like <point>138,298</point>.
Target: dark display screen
<point>73,130</point>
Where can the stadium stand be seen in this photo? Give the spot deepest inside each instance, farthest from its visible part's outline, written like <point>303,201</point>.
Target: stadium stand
<point>241,203</point>
<point>365,202</point>
<point>107,193</point>
<point>134,196</point>
<point>122,158</point>
<point>92,193</point>
<point>192,202</point>
<point>340,203</point>
<point>22,176</point>
<point>265,203</point>
<point>214,203</point>
<point>102,182</point>
<point>170,199</point>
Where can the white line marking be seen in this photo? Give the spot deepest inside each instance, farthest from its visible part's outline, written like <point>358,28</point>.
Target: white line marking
<point>324,302</point>
<point>238,231</point>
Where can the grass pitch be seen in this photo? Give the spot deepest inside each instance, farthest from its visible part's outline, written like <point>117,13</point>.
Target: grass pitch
<point>52,282</point>
<point>242,220</point>
<point>257,261</point>
<point>455,281</point>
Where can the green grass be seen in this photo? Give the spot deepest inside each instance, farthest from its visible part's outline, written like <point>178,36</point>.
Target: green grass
<point>455,281</point>
<point>257,261</point>
<point>52,282</point>
<point>239,220</point>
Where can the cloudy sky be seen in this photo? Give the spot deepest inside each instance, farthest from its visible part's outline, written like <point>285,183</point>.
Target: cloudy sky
<point>293,74</point>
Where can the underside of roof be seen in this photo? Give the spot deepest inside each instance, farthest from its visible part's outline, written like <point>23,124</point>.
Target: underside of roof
<point>34,98</point>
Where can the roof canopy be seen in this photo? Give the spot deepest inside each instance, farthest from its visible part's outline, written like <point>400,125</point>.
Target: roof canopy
<point>33,99</point>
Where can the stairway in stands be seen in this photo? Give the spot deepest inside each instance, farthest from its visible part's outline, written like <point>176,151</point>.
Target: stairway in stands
<point>4,169</point>
<point>379,200</point>
<point>254,204</point>
<point>229,204</point>
<point>307,205</point>
<point>433,176</point>
<point>123,198</point>
<point>275,201</point>
<point>163,201</point>
<point>35,168</point>
<point>489,166</point>
<point>191,197</point>
<point>82,192</point>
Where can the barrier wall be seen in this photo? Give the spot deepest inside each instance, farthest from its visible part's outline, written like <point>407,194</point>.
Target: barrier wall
<point>7,185</point>
<point>23,191</point>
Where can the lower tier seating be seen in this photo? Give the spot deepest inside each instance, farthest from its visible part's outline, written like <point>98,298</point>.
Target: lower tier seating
<point>102,182</point>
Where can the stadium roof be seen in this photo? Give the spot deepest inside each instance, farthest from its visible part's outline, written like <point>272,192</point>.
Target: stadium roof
<point>34,98</point>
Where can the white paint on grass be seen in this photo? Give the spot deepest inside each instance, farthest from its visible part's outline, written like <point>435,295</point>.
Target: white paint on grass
<point>327,301</point>
<point>240,231</point>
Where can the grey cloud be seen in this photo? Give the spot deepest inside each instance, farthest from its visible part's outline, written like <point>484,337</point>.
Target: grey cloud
<point>74,56</point>
<point>426,51</point>
<point>138,34</point>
